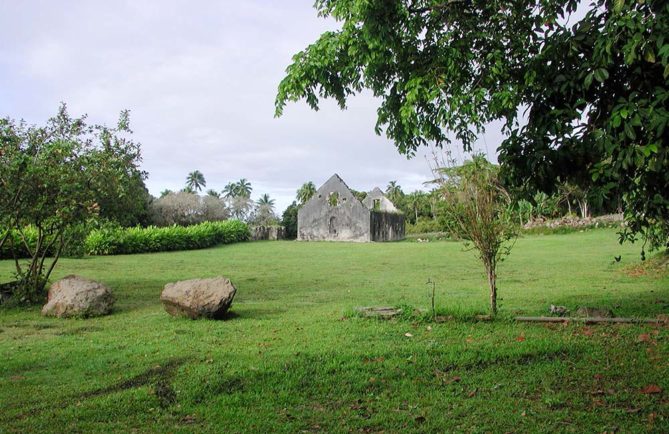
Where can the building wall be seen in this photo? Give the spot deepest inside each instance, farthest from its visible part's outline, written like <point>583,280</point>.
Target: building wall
<point>387,226</point>
<point>384,204</point>
<point>333,214</point>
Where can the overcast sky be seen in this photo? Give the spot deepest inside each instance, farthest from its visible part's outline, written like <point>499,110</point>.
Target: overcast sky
<point>199,78</point>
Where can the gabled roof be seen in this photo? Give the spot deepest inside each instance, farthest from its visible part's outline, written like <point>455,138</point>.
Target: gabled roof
<point>377,194</point>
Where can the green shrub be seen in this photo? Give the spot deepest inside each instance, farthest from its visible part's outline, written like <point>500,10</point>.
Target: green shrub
<point>30,234</point>
<point>121,241</point>
<point>424,225</point>
<point>73,248</point>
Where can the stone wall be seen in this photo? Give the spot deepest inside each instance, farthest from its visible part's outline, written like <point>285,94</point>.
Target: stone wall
<point>271,233</point>
<point>377,201</point>
<point>333,214</point>
<point>386,226</point>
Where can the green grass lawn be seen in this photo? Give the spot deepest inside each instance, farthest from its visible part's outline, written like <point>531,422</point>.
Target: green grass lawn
<point>291,358</point>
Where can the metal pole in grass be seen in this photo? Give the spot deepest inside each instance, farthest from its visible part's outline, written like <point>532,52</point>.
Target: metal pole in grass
<point>434,312</point>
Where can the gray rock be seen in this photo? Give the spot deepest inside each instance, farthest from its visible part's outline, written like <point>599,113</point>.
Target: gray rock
<point>594,312</point>
<point>558,310</point>
<point>75,296</point>
<point>198,298</point>
<point>379,312</point>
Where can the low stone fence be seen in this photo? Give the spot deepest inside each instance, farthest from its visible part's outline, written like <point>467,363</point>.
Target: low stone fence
<point>271,233</point>
<point>575,222</point>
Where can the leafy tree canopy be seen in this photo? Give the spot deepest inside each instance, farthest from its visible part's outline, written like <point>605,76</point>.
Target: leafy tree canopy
<point>582,101</point>
<point>56,179</point>
<point>289,220</point>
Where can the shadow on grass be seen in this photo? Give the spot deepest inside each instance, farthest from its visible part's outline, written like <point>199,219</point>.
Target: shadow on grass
<point>305,375</point>
<point>233,315</point>
<point>158,376</point>
<point>151,375</point>
<point>334,380</point>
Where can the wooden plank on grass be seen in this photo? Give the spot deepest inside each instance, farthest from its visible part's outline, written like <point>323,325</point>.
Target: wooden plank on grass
<point>589,320</point>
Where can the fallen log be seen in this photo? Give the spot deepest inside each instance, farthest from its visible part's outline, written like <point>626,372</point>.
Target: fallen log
<point>590,320</point>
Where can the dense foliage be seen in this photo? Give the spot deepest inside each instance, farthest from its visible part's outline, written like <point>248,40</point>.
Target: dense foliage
<point>582,102</point>
<point>53,181</point>
<point>289,220</point>
<point>117,240</point>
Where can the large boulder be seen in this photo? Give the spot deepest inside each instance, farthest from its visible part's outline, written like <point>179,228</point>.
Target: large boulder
<point>198,298</point>
<point>75,296</point>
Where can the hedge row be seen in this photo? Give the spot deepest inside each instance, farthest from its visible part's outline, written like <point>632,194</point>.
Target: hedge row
<point>119,241</point>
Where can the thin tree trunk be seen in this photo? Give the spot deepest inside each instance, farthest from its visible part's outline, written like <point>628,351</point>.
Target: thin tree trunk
<point>61,243</point>
<point>4,238</point>
<point>55,259</point>
<point>35,269</point>
<point>492,283</point>
<point>17,264</point>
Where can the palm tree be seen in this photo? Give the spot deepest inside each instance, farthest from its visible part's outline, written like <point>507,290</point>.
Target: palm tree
<point>195,180</point>
<point>230,190</point>
<point>305,192</point>
<point>243,188</point>
<point>213,193</point>
<point>393,191</point>
<point>415,200</point>
<point>265,201</point>
<point>264,212</point>
<point>165,192</point>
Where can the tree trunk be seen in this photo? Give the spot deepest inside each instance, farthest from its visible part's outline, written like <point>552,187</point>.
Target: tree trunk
<point>4,238</point>
<point>492,283</point>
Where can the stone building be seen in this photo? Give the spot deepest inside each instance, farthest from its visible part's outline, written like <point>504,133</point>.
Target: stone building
<point>335,214</point>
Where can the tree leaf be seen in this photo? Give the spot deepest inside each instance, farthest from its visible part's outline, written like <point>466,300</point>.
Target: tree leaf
<point>651,389</point>
<point>601,75</point>
<point>588,80</point>
<point>650,56</point>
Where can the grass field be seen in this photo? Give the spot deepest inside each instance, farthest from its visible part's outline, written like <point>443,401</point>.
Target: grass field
<point>291,358</point>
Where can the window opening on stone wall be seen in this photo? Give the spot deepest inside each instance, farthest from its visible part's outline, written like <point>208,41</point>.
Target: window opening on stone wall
<point>377,204</point>
<point>333,198</point>
<point>332,227</point>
